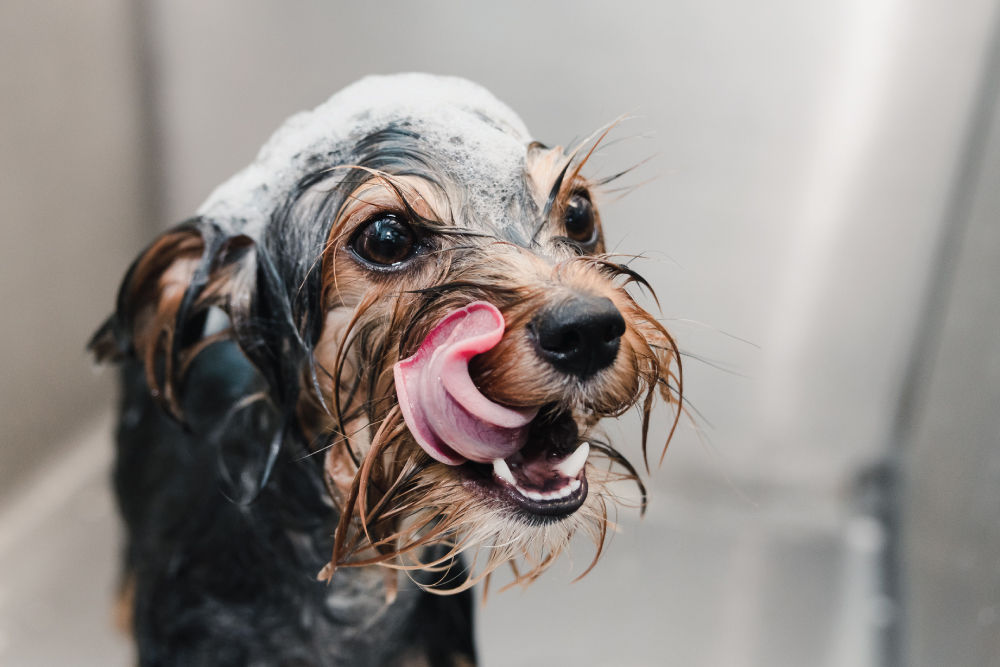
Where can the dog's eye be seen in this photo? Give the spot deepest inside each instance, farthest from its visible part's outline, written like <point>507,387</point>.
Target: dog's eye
<point>385,240</point>
<point>579,220</point>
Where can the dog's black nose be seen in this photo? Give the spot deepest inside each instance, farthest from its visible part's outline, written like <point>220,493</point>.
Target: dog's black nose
<point>580,335</point>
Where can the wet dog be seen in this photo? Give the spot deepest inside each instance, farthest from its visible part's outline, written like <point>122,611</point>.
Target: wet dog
<point>385,345</point>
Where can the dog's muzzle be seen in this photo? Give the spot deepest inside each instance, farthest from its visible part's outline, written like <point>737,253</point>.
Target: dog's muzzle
<point>535,462</point>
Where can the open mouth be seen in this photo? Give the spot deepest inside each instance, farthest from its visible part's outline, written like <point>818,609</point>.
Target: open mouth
<point>531,457</point>
<point>546,477</point>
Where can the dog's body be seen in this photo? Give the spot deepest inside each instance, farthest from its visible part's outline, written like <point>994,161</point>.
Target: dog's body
<point>218,582</point>
<point>390,340</point>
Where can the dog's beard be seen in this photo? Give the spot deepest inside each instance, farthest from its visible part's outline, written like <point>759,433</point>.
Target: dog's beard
<point>414,502</point>
<point>491,535</point>
<point>395,500</point>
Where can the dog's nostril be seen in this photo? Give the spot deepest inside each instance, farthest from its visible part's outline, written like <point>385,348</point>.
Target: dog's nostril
<point>558,339</point>
<point>615,329</point>
<point>579,336</point>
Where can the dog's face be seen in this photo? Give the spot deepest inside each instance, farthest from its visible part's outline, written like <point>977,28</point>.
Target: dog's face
<point>445,329</point>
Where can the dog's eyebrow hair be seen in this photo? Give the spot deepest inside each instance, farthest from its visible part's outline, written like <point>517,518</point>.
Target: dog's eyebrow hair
<point>462,231</point>
<point>554,192</point>
<point>557,186</point>
<point>551,200</point>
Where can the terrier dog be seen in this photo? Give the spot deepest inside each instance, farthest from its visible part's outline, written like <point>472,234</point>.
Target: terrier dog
<point>385,345</point>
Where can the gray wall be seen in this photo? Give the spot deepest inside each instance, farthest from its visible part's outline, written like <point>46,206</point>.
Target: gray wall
<point>807,161</point>
<point>803,155</point>
<point>71,210</point>
<point>951,438</point>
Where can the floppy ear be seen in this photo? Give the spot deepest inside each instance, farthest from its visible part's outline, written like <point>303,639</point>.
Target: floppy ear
<point>166,296</point>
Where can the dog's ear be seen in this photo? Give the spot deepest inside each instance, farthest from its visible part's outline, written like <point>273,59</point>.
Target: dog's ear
<point>187,274</point>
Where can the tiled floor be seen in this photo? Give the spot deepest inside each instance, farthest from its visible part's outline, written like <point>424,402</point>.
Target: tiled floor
<point>695,583</point>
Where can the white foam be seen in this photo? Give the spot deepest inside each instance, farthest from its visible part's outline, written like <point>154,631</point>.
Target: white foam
<point>489,160</point>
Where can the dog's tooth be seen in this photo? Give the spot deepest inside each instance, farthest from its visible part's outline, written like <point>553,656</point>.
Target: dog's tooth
<point>502,470</point>
<point>574,485</point>
<point>573,464</point>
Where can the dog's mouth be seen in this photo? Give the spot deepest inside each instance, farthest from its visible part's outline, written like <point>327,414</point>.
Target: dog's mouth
<point>531,457</point>
<point>547,477</point>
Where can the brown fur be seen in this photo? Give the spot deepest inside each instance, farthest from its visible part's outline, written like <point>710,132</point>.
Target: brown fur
<point>393,498</point>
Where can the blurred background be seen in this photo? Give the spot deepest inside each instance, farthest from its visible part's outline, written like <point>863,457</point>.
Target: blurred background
<point>819,217</point>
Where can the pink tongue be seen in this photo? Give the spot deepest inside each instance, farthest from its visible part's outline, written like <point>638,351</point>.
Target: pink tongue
<point>446,414</point>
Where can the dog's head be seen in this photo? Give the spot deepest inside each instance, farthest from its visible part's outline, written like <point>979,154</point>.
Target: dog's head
<point>426,292</point>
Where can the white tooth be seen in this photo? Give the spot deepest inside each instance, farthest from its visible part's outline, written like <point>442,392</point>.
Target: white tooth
<point>502,470</point>
<point>574,485</point>
<point>574,463</point>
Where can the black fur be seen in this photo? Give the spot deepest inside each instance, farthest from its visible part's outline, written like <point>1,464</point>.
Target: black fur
<point>224,582</point>
<point>227,515</point>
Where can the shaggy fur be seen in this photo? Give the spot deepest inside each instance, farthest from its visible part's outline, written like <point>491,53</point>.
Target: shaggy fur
<point>261,446</point>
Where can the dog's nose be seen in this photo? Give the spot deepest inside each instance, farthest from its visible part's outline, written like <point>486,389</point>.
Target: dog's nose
<point>580,335</point>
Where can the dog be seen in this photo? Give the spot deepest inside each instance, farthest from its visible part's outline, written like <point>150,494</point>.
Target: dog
<point>364,376</point>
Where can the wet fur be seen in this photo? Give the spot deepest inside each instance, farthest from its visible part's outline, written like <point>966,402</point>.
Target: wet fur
<point>253,459</point>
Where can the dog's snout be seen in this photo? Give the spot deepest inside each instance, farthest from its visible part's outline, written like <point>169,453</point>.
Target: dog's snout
<point>580,335</point>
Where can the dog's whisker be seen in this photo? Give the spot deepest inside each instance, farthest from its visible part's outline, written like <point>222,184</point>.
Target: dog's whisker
<point>424,330</point>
